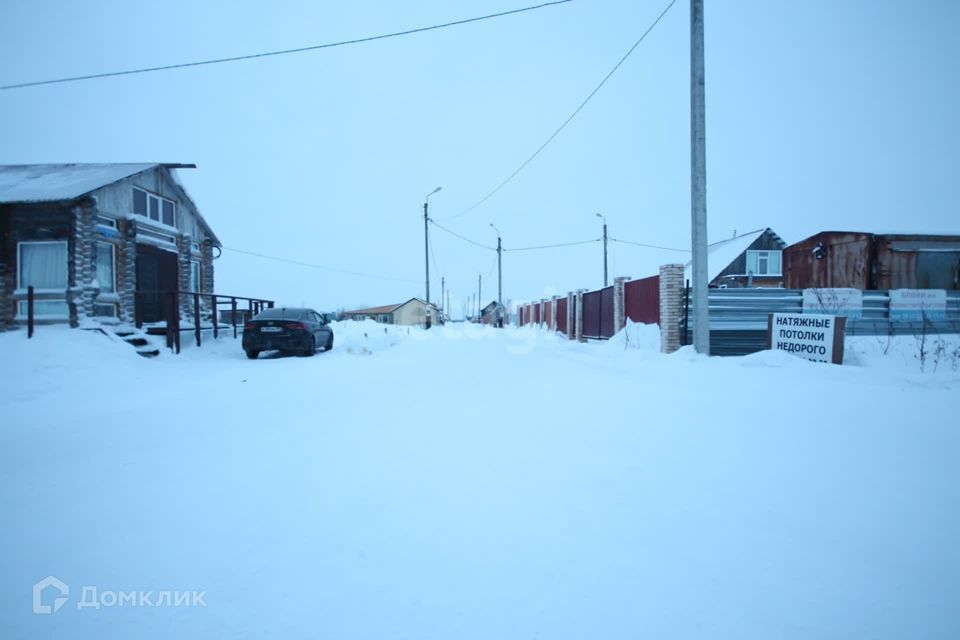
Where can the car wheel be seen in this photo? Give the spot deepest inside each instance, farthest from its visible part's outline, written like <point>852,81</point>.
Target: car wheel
<point>311,348</point>
<point>329,343</point>
<point>252,354</point>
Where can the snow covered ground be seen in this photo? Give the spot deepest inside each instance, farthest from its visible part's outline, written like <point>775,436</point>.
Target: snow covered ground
<point>473,483</point>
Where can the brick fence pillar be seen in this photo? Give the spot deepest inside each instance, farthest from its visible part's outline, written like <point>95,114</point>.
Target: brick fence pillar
<point>619,301</point>
<point>578,330</point>
<point>553,312</point>
<point>671,306</point>
<point>571,315</point>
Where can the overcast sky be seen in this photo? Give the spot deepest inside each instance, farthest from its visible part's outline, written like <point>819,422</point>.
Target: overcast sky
<point>821,115</point>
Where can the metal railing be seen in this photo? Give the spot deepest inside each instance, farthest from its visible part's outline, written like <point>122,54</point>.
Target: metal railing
<point>170,303</point>
<point>170,310</point>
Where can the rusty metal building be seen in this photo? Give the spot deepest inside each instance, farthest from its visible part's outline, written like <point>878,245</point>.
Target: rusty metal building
<point>865,261</point>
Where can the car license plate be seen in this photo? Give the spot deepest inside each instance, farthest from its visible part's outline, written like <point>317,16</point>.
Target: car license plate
<point>270,329</point>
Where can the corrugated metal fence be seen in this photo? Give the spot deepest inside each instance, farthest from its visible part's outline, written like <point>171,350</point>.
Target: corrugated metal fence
<point>738,317</point>
<point>641,304</point>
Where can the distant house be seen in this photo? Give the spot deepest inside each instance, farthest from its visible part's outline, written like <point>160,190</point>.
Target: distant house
<point>99,241</point>
<point>751,259</point>
<point>413,312</point>
<point>863,260</point>
<point>490,313</point>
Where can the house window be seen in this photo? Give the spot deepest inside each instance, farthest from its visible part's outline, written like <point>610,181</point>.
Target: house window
<point>154,207</point>
<point>43,266</point>
<point>764,263</point>
<point>106,268</point>
<point>195,276</point>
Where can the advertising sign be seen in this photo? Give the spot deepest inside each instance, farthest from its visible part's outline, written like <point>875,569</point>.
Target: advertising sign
<point>914,304</point>
<point>812,336</point>
<point>834,301</point>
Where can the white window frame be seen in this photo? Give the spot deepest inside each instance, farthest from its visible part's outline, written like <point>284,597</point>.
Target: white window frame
<point>113,262</point>
<point>22,289</point>
<point>766,253</point>
<point>160,200</point>
<point>199,282</point>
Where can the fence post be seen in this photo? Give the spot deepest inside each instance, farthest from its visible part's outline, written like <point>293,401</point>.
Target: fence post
<point>686,314</point>
<point>553,313</point>
<point>671,306</point>
<point>170,328</point>
<point>578,331</point>
<point>176,316</point>
<point>196,317</point>
<point>29,312</point>
<point>571,315</point>
<point>216,324</point>
<point>233,316</point>
<point>619,303</point>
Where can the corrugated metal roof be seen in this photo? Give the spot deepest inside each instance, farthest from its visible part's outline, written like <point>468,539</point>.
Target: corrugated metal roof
<point>52,182</point>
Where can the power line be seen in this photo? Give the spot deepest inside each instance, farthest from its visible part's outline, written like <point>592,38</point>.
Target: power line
<point>649,246</point>
<point>553,246</point>
<point>317,266</point>
<point>251,56</point>
<point>464,238</point>
<point>567,121</point>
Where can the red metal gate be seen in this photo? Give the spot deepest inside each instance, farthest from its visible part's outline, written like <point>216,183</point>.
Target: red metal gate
<point>591,314</point>
<point>642,300</point>
<point>606,312</point>
<point>562,315</point>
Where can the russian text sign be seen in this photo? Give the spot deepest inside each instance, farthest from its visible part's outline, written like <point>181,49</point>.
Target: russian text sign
<point>915,304</point>
<point>812,336</point>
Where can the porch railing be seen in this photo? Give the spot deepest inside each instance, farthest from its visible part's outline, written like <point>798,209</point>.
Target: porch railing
<point>170,310</point>
<point>170,304</point>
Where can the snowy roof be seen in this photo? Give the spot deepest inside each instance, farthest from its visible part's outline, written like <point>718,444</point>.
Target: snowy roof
<point>721,254</point>
<point>387,308</point>
<point>52,182</point>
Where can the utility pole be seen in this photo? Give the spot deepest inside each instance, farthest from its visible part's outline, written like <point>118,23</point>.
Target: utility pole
<point>698,181</point>
<point>499,277</point>
<point>426,247</point>
<point>600,215</point>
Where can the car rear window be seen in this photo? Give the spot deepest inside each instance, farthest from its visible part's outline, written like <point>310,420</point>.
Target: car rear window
<point>280,314</point>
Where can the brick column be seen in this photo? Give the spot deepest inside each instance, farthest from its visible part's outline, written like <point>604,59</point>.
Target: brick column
<point>671,306</point>
<point>183,276</point>
<point>578,330</point>
<point>553,312</point>
<point>619,302</point>
<point>571,319</point>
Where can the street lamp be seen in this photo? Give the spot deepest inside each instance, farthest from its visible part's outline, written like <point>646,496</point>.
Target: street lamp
<point>499,277</point>
<point>426,247</point>
<point>600,215</point>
